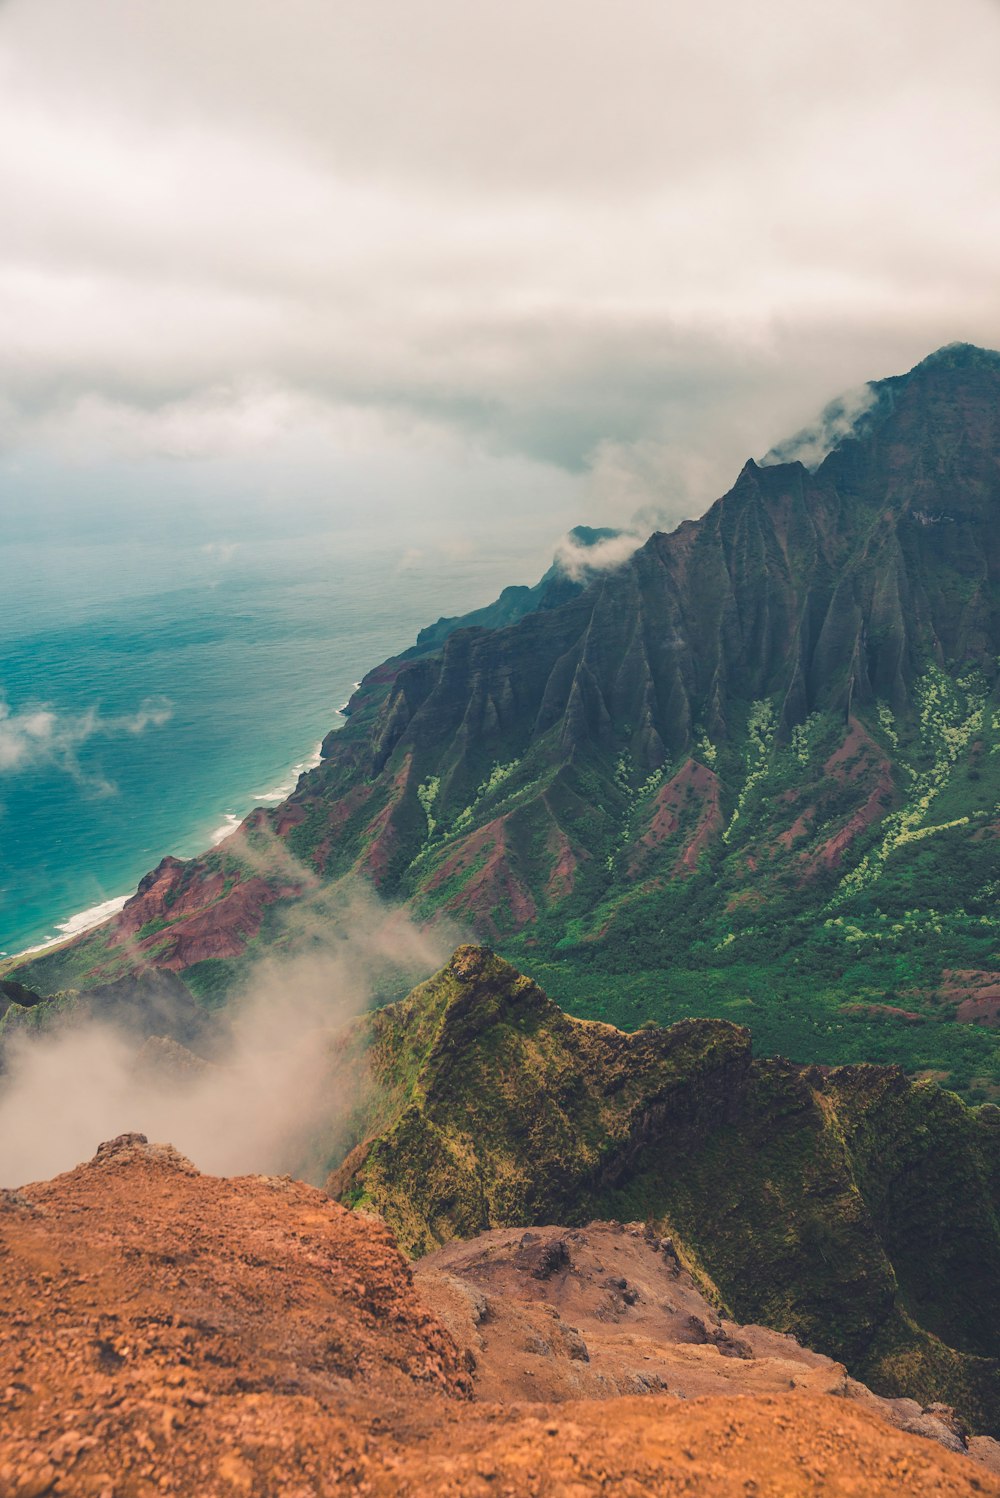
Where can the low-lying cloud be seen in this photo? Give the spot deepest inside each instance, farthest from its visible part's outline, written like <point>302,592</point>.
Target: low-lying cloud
<point>41,735</point>
<point>843,417</point>
<point>270,1089</point>
<point>584,562</point>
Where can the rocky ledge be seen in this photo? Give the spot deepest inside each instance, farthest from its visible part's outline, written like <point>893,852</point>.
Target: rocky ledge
<point>165,1332</point>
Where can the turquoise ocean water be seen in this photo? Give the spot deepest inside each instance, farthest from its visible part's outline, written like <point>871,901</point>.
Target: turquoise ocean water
<point>250,644</point>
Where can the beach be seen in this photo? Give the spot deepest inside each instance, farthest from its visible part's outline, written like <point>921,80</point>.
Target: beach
<point>184,686</point>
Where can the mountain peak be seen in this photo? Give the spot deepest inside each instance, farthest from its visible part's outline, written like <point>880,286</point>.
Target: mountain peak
<point>859,412</point>
<point>953,356</point>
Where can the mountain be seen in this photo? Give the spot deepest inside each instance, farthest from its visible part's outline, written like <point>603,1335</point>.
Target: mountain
<point>852,1207</point>
<point>249,1336</point>
<point>568,575</point>
<point>753,771</point>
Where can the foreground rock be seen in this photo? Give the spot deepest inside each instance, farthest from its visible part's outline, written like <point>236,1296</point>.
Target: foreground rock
<point>567,1313</point>
<point>165,1332</point>
<point>156,1321</point>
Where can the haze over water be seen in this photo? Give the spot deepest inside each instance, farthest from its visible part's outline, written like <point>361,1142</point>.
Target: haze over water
<point>192,669</point>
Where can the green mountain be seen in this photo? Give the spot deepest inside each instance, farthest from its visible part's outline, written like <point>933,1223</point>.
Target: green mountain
<point>852,1207</point>
<point>752,772</point>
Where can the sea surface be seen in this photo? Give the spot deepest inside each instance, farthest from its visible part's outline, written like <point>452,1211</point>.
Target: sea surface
<point>159,681</point>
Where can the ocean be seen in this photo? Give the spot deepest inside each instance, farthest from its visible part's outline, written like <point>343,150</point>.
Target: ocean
<point>158,681</point>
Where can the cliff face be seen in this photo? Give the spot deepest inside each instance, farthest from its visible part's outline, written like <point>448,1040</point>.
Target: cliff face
<point>832,589</point>
<point>608,1309</point>
<point>852,1208</point>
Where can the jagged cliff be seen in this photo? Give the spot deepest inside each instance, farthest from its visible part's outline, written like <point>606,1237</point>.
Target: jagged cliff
<point>763,753</point>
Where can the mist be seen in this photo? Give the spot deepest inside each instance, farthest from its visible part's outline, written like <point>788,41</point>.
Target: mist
<point>280,240</point>
<point>270,1090</point>
<point>40,735</point>
<point>841,418</point>
<point>581,562</point>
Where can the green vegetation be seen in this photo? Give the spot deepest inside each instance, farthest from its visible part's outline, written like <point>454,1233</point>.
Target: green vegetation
<point>825,964</point>
<point>855,1208</point>
<point>788,1014</point>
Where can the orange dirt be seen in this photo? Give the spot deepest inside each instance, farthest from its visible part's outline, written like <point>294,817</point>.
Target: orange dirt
<point>381,836</point>
<point>562,875</point>
<point>557,1313</point>
<point>975,993</point>
<point>692,799</point>
<point>859,761</point>
<point>164,1332</point>
<point>206,919</point>
<point>482,860</point>
<point>884,1011</point>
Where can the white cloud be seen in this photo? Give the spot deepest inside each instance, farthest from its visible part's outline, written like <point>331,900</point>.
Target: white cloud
<point>836,421</point>
<point>24,737</point>
<point>553,229</point>
<point>39,736</point>
<point>581,562</point>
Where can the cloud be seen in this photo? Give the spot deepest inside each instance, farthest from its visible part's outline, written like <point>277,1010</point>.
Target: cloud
<point>256,227</point>
<point>271,1093</point>
<point>40,736</point>
<point>581,563</point>
<point>841,418</point>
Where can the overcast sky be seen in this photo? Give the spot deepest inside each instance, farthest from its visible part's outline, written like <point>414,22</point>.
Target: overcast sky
<point>603,249</point>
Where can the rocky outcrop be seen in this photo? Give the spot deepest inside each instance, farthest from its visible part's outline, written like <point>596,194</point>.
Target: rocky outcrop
<point>609,1309</point>
<point>495,1106</point>
<point>249,1336</point>
<point>193,1326</point>
<point>849,1207</point>
<point>12,993</point>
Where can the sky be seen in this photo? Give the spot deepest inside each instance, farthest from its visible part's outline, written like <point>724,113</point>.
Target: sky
<point>531,262</point>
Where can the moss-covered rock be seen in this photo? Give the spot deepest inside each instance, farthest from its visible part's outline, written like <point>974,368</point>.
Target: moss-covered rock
<point>852,1207</point>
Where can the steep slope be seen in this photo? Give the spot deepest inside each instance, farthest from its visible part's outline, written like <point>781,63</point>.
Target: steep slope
<point>561,1313</point>
<point>249,1337</point>
<point>853,1208</point>
<point>200,1331</point>
<point>762,754</point>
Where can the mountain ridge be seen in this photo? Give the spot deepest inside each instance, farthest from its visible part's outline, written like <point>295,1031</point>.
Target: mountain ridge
<point>777,718</point>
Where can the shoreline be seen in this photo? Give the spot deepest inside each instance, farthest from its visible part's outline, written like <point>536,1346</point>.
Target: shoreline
<point>96,915</point>
<point>75,925</point>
